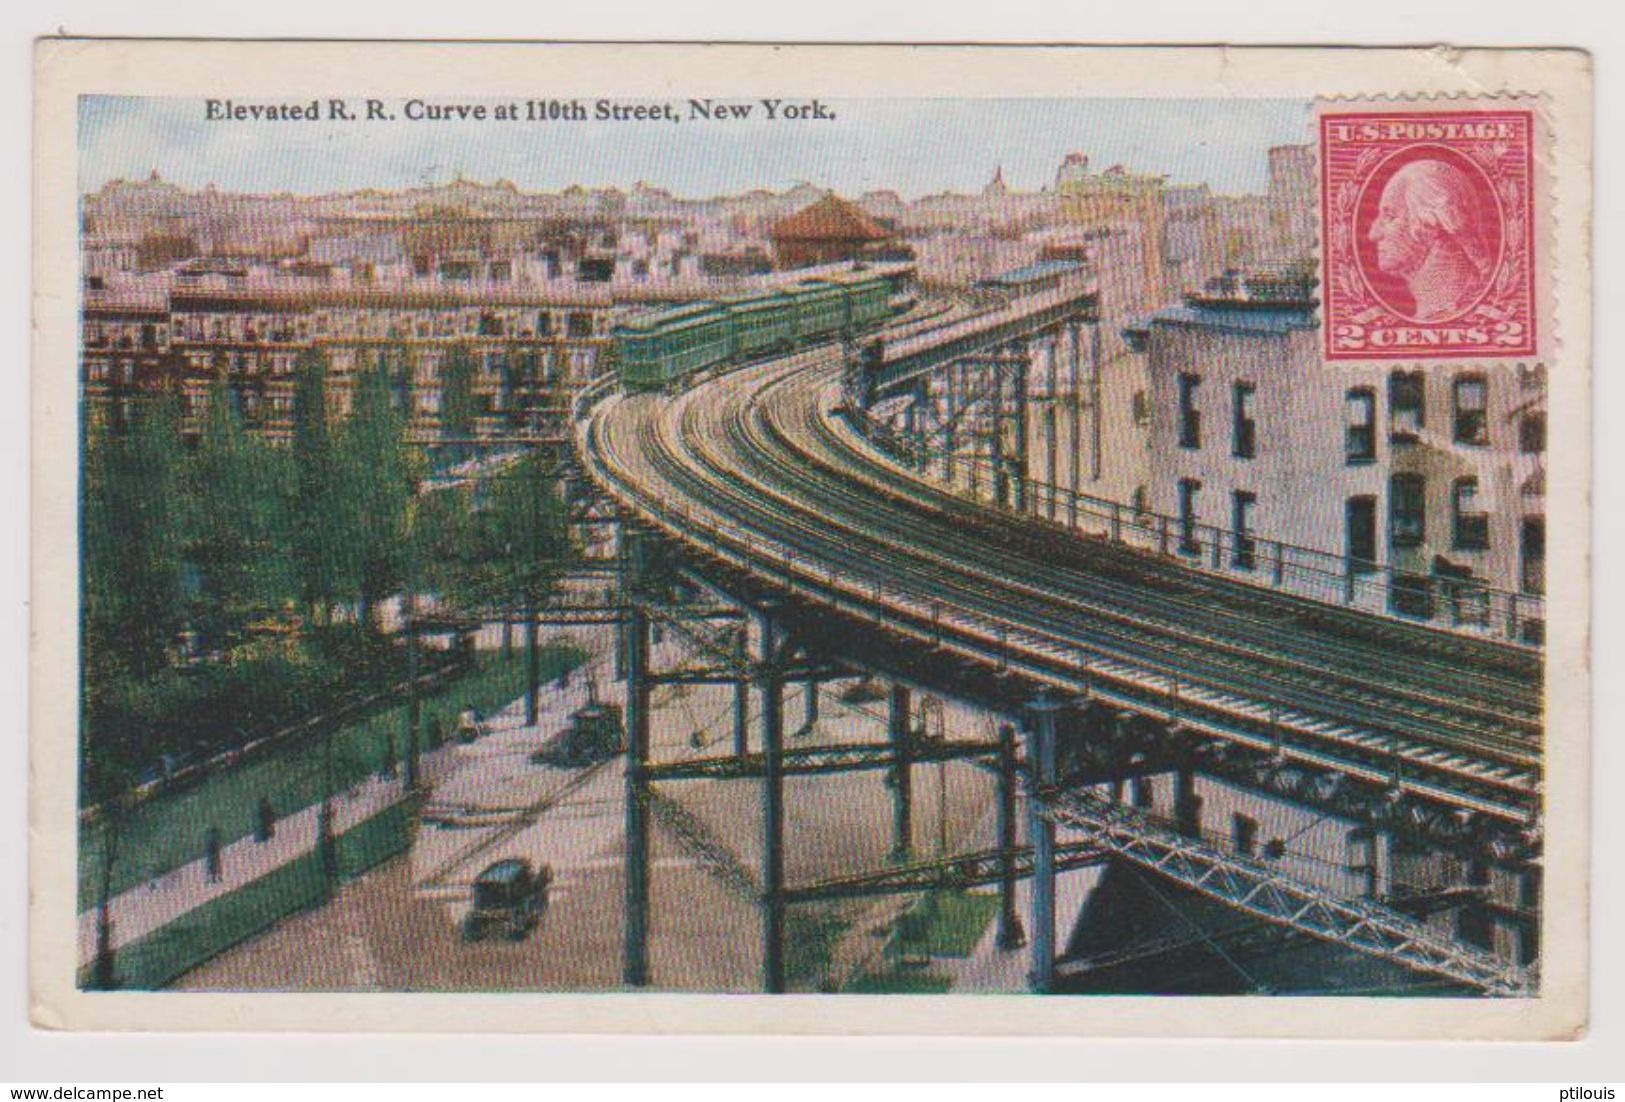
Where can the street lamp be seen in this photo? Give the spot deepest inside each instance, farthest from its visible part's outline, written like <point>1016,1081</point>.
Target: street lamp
<point>414,705</point>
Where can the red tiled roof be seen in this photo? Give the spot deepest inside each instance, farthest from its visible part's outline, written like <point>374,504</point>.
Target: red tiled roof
<point>829,219</point>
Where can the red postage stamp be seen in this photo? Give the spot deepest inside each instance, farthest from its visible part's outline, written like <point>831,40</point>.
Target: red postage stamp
<point>1428,246</point>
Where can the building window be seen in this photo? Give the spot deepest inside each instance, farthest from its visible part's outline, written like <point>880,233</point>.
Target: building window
<point>1360,427</point>
<point>1407,510</point>
<point>1470,396</point>
<point>1360,520</point>
<point>1143,792</point>
<point>1532,555</point>
<point>1466,598</point>
<point>1532,433</point>
<point>1241,527</point>
<point>1471,527</point>
<point>1187,516</point>
<point>1140,409</point>
<point>490,325</point>
<point>579,325</point>
<point>1190,418</point>
<point>1244,434</point>
<point>544,324</point>
<point>1244,830</point>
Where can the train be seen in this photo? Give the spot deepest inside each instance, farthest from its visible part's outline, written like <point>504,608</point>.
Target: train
<point>662,349</point>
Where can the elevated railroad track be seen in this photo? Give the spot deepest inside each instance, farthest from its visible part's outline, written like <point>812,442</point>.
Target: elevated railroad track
<point>754,469</point>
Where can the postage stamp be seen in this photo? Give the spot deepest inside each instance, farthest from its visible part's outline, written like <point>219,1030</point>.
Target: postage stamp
<point>1430,233</point>
<point>614,526</point>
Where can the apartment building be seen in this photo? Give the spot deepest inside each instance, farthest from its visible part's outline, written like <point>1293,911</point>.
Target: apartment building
<point>1413,489</point>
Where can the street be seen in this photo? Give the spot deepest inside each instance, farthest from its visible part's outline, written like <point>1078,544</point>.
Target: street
<point>399,927</point>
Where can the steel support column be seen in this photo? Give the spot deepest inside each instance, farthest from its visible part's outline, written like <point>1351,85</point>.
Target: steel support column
<point>1378,857</point>
<point>635,971</point>
<point>1021,363</point>
<point>919,439</point>
<point>1094,399</point>
<point>810,706</point>
<point>1529,902</point>
<point>1187,804</point>
<point>1010,933</point>
<point>902,773</point>
<point>772,688</point>
<point>1041,757</point>
<point>1075,441</point>
<point>995,434</point>
<point>742,692</point>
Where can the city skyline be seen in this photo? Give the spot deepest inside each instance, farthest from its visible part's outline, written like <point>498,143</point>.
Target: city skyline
<point>913,147</point>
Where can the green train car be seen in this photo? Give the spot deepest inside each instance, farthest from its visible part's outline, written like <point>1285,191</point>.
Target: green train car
<point>668,344</point>
<point>765,323</point>
<point>661,348</point>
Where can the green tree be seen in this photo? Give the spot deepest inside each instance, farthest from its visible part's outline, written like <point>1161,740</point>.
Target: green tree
<point>318,560</point>
<point>238,494</point>
<point>131,609</point>
<point>526,530</point>
<point>449,553</point>
<point>131,542</point>
<point>376,477</point>
<point>457,393</point>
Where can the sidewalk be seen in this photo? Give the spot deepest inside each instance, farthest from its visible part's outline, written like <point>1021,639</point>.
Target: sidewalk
<point>154,903</point>
<point>990,969</point>
<point>140,910</point>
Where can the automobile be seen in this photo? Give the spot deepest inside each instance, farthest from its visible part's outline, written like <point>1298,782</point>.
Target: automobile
<point>470,725</point>
<point>508,894</point>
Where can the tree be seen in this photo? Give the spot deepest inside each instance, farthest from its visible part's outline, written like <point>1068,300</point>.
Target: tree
<point>317,559</point>
<point>131,540</point>
<point>238,495</point>
<point>527,526</point>
<point>457,394</point>
<point>376,477</point>
<point>131,610</point>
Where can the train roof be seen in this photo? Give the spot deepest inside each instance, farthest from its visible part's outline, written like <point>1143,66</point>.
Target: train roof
<point>855,278</point>
<point>1029,274</point>
<point>817,287</point>
<point>673,317</point>
<point>751,302</point>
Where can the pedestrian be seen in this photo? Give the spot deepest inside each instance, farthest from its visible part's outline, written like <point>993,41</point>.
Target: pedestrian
<point>211,853</point>
<point>267,821</point>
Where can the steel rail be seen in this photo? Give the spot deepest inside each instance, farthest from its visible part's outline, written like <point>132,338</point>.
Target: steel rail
<point>1443,706</point>
<point>1373,759</point>
<point>700,442</point>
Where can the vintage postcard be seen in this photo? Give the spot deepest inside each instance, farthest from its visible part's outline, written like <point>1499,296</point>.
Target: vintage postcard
<point>811,539</point>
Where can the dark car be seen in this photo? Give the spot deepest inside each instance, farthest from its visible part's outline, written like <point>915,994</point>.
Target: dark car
<point>508,895</point>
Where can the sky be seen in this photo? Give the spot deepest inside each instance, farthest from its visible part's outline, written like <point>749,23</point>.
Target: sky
<point>914,147</point>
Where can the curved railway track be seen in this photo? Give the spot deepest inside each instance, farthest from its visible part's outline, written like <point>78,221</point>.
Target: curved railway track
<point>754,459</point>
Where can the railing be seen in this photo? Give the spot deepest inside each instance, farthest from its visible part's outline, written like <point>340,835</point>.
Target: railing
<point>1456,604</point>
<point>589,395</point>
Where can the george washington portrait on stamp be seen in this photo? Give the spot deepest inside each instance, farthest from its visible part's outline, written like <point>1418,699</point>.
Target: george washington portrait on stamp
<point>1429,247</point>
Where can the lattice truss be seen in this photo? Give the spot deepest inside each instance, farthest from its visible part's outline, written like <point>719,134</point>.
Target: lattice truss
<point>1359,924</point>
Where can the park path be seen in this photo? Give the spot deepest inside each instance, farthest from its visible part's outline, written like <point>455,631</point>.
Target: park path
<point>138,911</point>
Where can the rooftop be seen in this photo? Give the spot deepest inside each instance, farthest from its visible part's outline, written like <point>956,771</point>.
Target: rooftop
<point>829,219</point>
<point>1033,273</point>
<point>1249,318</point>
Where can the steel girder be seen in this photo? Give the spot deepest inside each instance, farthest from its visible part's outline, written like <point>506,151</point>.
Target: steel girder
<point>804,760</point>
<point>1365,926</point>
<point>967,870</point>
<point>694,836</point>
